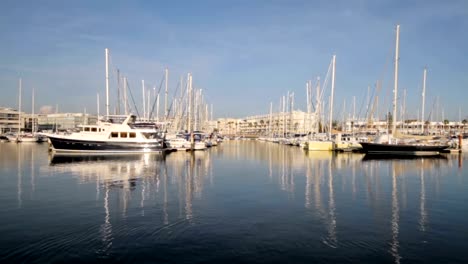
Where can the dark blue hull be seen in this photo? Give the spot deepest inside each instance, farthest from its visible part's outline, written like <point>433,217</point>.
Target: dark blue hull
<point>74,146</point>
<point>410,150</point>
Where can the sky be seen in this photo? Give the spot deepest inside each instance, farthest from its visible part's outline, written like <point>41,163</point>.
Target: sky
<point>243,54</point>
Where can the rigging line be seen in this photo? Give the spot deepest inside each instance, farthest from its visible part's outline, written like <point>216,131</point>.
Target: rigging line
<point>182,109</point>
<point>430,113</point>
<point>325,84</point>
<point>133,100</point>
<point>371,100</point>
<point>389,59</point>
<point>172,101</point>
<point>155,99</point>
<point>360,109</point>
<point>310,92</point>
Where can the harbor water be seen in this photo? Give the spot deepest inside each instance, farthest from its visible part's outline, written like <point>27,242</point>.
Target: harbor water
<point>240,202</point>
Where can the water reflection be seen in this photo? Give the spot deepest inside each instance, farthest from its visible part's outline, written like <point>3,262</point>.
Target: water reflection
<point>106,227</point>
<point>423,219</point>
<point>315,202</point>
<point>402,171</point>
<point>20,177</point>
<point>153,176</point>
<point>395,218</point>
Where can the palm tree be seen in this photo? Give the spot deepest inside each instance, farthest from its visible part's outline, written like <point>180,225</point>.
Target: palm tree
<point>446,122</point>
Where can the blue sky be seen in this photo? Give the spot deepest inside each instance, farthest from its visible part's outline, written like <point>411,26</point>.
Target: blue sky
<point>243,54</point>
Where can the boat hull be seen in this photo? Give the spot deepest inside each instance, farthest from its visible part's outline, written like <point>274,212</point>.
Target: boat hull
<point>65,145</point>
<point>404,150</point>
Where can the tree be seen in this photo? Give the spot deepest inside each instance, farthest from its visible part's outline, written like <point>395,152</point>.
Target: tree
<point>389,119</point>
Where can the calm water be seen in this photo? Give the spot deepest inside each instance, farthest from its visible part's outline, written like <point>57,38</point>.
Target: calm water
<point>242,201</point>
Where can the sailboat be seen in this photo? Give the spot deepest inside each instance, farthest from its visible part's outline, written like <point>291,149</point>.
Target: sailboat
<point>391,145</point>
<point>33,136</point>
<point>319,143</point>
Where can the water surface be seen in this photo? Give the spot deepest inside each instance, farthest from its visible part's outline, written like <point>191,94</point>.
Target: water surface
<point>243,201</point>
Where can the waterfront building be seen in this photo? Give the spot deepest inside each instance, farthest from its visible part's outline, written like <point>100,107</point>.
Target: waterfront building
<point>407,127</point>
<point>228,126</point>
<point>64,121</point>
<point>282,123</point>
<point>9,120</point>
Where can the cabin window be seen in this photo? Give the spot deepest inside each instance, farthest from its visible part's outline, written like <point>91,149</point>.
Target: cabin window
<point>132,134</point>
<point>86,129</point>
<point>94,129</point>
<point>150,135</point>
<point>114,134</point>
<point>123,134</point>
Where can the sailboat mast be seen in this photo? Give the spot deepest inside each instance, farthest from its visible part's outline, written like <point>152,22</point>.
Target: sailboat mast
<point>107,82</point>
<point>32,113</point>
<point>157,107</point>
<point>395,91</point>
<point>144,98</point>
<point>270,134</point>
<point>125,95</point>
<point>423,99</point>
<point>19,106</point>
<point>118,91</point>
<point>189,98</point>
<point>97,99</point>
<point>331,96</point>
<point>166,111</point>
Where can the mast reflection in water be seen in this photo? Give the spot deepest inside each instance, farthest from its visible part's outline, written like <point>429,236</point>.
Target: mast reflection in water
<point>243,201</point>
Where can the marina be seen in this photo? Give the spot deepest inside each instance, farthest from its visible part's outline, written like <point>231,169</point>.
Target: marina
<point>234,132</point>
<point>243,201</point>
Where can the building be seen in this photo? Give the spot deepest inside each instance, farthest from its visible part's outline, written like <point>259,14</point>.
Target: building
<point>9,120</point>
<point>64,121</point>
<point>295,122</point>
<point>228,126</point>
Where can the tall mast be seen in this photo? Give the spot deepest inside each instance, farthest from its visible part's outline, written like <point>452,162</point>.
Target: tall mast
<point>211,119</point>
<point>283,116</point>
<point>125,95</point>
<point>404,110</point>
<point>270,134</point>
<point>144,98</point>
<point>97,103</point>
<point>33,123</point>
<point>148,100</point>
<point>332,93</point>
<point>118,91</point>
<point>189,98</point>
<point>19,106</point>
<point>307,119</point>
<point>107,81</point>
<point>166,110</point>
<point>157,107</point>
<point>423,99</point>
<point>318,108</point>
<point>395,90</point>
